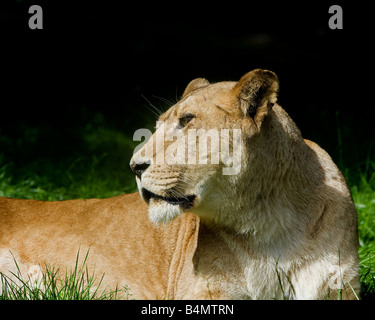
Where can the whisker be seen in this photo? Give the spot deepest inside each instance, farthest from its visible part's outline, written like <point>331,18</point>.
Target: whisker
<point>185,178</point>
<point>158,112</point>
<point>155,114</point>
<point>179,191</point>
<point>165,100</point>
<point>188,183</point>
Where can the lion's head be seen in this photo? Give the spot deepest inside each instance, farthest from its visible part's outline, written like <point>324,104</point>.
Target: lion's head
<point>207,153</point>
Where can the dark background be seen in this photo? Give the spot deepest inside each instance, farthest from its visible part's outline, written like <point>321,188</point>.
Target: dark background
<point>102,57</point>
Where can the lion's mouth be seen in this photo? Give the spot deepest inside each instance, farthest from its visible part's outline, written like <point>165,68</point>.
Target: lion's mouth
<point>185,202</point>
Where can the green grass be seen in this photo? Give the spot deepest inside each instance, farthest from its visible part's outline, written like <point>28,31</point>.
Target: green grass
<point>96,165</point>
<point>364,199</point>
<point>54,284</point>
<point>80,178</point>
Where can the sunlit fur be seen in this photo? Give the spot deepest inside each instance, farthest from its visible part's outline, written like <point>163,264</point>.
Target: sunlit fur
<point>285,226</point>
<point>288,209</point>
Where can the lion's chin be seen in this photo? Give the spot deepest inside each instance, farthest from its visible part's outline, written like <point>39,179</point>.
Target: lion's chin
<point>160,211</point>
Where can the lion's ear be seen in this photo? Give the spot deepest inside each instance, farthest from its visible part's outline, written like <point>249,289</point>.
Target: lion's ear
<point>257,89</point>
<point>194,85</point>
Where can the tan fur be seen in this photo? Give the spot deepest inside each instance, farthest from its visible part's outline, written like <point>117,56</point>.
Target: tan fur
<point>284,227</point>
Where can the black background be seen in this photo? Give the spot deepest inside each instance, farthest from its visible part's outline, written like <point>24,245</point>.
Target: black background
<point>103,56</point>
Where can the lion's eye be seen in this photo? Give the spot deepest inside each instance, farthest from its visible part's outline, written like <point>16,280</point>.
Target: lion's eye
<point>185,119</point>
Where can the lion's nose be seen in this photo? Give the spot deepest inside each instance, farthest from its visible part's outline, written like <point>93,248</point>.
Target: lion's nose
<point>139,168</point>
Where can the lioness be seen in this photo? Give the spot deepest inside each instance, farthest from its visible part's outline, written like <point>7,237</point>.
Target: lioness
<point>282,226</point>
